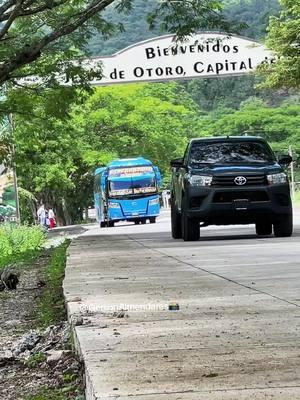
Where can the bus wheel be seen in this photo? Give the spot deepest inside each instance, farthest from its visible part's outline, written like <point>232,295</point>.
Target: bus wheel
<point>102,224</point>
<point>143,221</point>
<point>152,220</point>
<point>136,222</point>
<point>111,224</point>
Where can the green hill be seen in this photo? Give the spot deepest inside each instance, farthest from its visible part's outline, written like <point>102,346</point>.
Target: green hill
<point>253,12</point>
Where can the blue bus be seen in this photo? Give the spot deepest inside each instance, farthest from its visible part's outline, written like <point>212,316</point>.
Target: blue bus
<point>127,190</point>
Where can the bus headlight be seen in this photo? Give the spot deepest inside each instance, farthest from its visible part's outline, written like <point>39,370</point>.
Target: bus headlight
<point>152,202</point>
<point>276,179</point>
<point>200,180</point>
<point>113,205</point>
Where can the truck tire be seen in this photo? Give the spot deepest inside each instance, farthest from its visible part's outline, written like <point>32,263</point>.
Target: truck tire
<point>111,224</point>
<point>102,224</point>
<point>190,226</point>
<point>175,222</point>
<point>143,221</point>
<point>283,227</point>
<point>152,220</point>
<point>263,228</point>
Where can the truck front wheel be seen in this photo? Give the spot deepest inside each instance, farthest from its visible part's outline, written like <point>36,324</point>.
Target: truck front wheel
<point>283,227</point>
<point>190,226</point>
<point>263,228</point>
<point>175,222</point>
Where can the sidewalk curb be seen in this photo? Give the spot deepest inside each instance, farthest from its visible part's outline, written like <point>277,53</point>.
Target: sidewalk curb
<point>72,320</point>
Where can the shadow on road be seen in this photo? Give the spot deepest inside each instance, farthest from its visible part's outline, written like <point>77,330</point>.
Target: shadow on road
<point>211,237</point>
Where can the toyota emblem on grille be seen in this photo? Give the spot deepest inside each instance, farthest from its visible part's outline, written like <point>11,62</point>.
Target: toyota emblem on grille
<point>240,180</point>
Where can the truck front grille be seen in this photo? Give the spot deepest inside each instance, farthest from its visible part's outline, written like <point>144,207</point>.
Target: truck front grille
<point>228,180</point>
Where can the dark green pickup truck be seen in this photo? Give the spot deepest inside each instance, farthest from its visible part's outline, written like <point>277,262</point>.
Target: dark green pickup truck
<point>230,180</point>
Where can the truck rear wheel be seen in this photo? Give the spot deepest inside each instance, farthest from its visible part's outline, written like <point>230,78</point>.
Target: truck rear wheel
<point>283,227</point>
<point>263,228</point>
<point>175,222</point>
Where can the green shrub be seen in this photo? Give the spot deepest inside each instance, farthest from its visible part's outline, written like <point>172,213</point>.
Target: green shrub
<point>19,240</point>
<point>51,308</point>
<point>35,360</point>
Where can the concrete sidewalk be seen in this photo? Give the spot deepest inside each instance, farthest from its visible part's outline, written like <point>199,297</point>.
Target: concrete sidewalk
<point>236,335</point>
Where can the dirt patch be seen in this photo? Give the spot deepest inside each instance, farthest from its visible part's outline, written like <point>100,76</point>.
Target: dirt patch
<point>35,363</point>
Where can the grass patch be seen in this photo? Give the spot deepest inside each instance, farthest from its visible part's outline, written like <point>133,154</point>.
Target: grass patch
<point>55,394</point>
<point>35,360</point>
<point>19,243</point>
<point>51,308</point>
<point>25,258</point>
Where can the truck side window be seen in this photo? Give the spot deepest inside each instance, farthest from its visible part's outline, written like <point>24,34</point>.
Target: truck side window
<point>186,155</point>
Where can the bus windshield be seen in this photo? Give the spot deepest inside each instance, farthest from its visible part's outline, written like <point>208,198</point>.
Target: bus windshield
<point>132,186</point>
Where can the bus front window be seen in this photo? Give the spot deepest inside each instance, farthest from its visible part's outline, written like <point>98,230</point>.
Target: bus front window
<point>120,188</point>
<point>132,187</point>
<point>144,185</point>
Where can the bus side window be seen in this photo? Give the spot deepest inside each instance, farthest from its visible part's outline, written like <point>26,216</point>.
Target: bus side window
<point>97,184</point>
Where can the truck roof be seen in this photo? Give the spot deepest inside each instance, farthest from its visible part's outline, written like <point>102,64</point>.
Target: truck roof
<point>228,139</point>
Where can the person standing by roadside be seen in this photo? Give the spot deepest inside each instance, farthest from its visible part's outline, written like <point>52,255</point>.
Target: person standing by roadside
<point>51,217</point>
<point>41,214</point>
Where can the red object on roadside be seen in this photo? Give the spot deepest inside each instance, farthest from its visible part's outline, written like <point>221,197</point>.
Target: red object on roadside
<point>52,223</point>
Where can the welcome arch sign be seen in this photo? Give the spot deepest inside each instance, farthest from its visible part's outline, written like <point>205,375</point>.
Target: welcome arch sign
<point>205,55</point>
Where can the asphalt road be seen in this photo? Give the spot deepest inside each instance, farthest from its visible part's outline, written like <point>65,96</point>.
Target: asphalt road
<point>236,334</point>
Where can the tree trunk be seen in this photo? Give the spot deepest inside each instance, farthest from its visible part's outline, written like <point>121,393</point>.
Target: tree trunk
<point>67,216</point>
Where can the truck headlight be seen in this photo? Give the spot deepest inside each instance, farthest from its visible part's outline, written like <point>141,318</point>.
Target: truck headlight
<point>152,202</point>
<point>276,179</point>
<point>113,205</point>
<point>200,180</point>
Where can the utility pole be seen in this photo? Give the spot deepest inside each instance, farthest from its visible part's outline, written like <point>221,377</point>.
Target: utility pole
<point>292,173</point>
<point>12,125</point>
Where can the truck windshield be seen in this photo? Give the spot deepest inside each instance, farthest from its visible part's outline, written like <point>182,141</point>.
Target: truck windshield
<point>230,153</point>
<point>132,186</point>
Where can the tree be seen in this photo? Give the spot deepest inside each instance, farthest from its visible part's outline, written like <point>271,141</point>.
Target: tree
<point>284,39</point>
<point>59,145</point>
<point>42,37</point>
<point>152,120</point>
<point>278,125</point>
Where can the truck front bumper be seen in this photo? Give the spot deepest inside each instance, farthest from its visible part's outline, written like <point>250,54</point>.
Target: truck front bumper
<point>219,205</point>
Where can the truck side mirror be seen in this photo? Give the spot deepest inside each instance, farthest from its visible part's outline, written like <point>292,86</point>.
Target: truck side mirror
<point>176,163</point>
<point>285,160</point>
